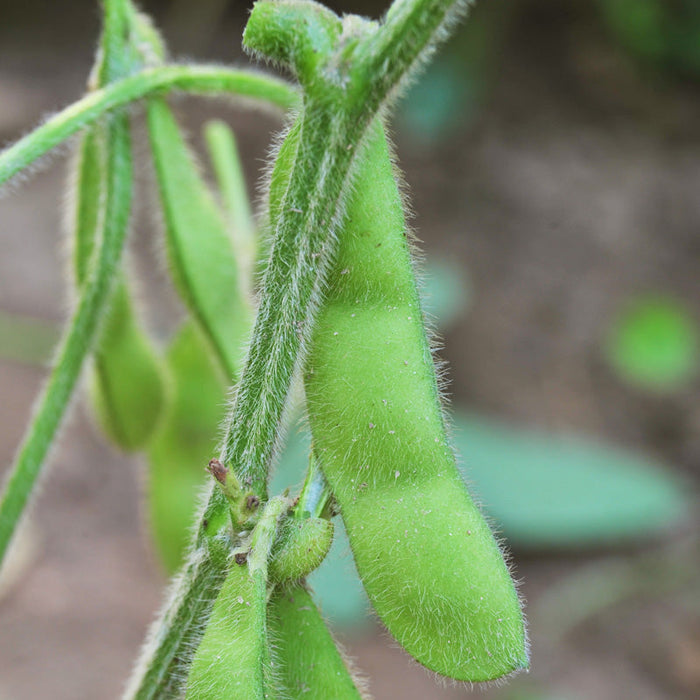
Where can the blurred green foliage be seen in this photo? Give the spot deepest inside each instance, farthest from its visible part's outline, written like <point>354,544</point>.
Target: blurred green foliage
<point>654,343</point>
<point>661,34</point>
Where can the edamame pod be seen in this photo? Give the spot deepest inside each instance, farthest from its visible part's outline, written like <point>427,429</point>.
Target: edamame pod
<point>232,661</point>
<point>200,251</point>
<point>127,385</point>
<point>427,558</point>
<point>307,661</point>
<point>229,662</point>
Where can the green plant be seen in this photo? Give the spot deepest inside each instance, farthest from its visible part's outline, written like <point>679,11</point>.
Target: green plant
<point>232,623</point>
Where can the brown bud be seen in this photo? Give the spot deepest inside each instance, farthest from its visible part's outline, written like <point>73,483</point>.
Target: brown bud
<point>217,470</point>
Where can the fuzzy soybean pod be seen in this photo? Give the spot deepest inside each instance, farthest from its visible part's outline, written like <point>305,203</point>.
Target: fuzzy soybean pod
<point>127,386</point>
<point>184,441</point>
<point>200,251</point>
<point>428,560</point>
<point>307,661</point>
<point>301,547</point>
<point>232,660</point>
<point>229,662</point>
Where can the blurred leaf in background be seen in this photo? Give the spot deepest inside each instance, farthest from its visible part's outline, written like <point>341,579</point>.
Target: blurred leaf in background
<point>450,95</point>
<point>445,292</point>
<point>654,343</point>
<point>564,491</point>
<point>661,34</point>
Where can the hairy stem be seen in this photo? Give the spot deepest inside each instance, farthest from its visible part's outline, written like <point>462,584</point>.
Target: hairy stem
<point>175,635</point>
<point>330,138</point>
<point>410,32</point>
<point>79,336</point>
<point>199,80</point>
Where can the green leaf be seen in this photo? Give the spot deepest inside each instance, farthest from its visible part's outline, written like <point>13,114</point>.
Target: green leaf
<point>565,491</point>
<point>655,344</point>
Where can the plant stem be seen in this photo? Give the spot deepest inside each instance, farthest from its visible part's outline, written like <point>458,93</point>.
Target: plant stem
<point>264,535</point>
<point>410,32</point>
<point>79,335</point>
<point>175,635</point>
<point>199,80</point>
<point>304,245</point>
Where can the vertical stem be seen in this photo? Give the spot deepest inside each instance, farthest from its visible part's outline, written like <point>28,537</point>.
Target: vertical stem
<point>78,338</point>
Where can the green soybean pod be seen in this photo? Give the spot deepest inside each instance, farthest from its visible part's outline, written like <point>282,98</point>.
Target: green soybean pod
<point>300,548</point>
<point>127,386</point>
<point>307,661</point>
<point>231,657</point>
<point>184,442</point>
<point>200,250</point>
<point>232,660</point>
<point>428,560</point>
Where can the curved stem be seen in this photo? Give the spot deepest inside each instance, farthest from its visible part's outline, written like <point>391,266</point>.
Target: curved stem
<point>78,338</point>
<point>201,80</point>
<point>407,38</point>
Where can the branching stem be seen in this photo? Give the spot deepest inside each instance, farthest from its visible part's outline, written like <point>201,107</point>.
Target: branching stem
<point>198,80</point>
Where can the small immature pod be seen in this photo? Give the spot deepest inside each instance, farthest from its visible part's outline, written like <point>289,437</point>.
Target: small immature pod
<point>307,661</point>
<point>427,558</point>
<point>300,548</point>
